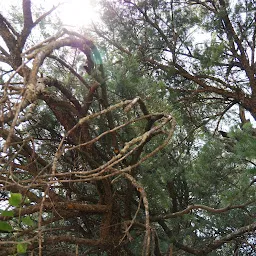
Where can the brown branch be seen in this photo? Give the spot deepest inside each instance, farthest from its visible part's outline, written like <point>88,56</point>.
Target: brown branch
<point>51,220</point>
<point>101,34</point>
<point>222,114</point>
<point>46,14</point>
<point>218,242</point>
<point>28,21</point>
<point>232,35</point>
<point>218,80</point>
<point>16,188</point>
<point>8,33</point>
<point>4,52</point>
<point>140,189</point>
<point>58,239</point>
<point>67,93</point>
<point>199,207</point>
<point>55,37</point>
<point>40,54</point>
<point>81,79</point>
<point>242,115</point>
<point>153,116</point>
<point>154,25</point>
<point>89,98</point>
<point>4,59</point>
<point>237,95</point>
<point>61,207</point>
<point>204,4</point>
<point>23,147</point>
<point>73,240</point>
<point>253,44</point>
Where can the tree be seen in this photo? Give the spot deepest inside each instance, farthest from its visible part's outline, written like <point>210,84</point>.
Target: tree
<point>200,54</point>
<point>166,36</point>
<point>68,158</point>
<point>92,161</point>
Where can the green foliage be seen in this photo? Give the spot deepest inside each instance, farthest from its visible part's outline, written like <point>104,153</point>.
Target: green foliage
<point>22,247</point>
<point>27,221</point>
<point>6,213</point>
<point>5,226</point>
<point>245,141</point>
<point>252,171</point>
<point>15,199</point>
<point>211,55</point>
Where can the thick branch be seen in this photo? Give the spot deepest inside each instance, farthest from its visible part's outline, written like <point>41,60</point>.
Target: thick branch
<point>60,207</point>
<point>67,93</point>
<point>229,29</point>
<point>27,16</point>
<point>8,33</point>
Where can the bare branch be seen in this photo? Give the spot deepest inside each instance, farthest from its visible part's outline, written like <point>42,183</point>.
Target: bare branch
<point>200,207</point>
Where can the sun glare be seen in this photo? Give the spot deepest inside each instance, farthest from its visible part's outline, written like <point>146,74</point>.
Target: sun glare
<point>73,13</point>
<point>77,13</point>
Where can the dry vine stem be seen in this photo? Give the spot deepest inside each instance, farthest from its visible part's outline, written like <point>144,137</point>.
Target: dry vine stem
<point>78,171</point>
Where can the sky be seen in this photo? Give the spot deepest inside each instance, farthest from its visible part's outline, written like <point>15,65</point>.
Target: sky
<point>73,13</point>
<point>77,12</point>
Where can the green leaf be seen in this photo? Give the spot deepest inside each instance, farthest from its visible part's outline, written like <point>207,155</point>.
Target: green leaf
<point>27,221</point>
<point>252,171</point>
<point>15,199</point>
<point>22,248</point>
<point>4,226</point>
<point>7,213</point>
<point>27,200</point>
